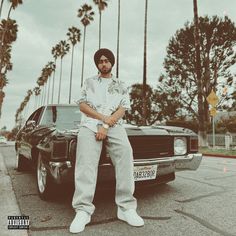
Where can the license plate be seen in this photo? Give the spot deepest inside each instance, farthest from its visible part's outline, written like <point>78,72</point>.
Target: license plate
<point>145,172</point>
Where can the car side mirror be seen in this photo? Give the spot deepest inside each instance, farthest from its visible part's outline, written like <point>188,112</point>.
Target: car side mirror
<point>31,123</point>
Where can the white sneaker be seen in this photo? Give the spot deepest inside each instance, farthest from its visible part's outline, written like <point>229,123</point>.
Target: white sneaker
<point>78,224</point>
<point>130,216</point>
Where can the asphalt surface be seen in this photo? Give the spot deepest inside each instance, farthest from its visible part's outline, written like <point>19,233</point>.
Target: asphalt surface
<point>201,202</point>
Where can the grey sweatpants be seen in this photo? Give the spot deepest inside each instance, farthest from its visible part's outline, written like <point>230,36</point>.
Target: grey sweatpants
<point>86,168</point>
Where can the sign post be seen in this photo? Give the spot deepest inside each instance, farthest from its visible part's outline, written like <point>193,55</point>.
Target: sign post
<point>213,100</point>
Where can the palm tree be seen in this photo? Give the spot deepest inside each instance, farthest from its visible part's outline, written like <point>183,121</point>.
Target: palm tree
<point>2,95</point>
<point>36,91</point>
<point>46,73</point>
<point>144,115</point>
<point>26,100</point>
<point>1,6</point>
<point>64,48</point>
<point>5,64</point>
<point>8,30</point>
<point>86,14</point>
<point>44,78</point>
<point>23,105</point>
<point>14,5</point>
<point>5,57</point>
<point>40,82</point>
<point>118,41</point>
<point>55,53</point>
<point>3,81</point>
<point>102,4</point>
<point>42,98</point>
<point>74,37</point>
<point>202,131</point>
<point>8,34</point>
<point>50,67</point>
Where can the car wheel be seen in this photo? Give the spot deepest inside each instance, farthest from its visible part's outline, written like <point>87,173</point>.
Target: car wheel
<point>44,180</point>
<point>22,163</point>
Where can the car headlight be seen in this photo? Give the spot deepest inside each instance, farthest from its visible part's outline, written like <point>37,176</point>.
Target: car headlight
<point>180,146</point>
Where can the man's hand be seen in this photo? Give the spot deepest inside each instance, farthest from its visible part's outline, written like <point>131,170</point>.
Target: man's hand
<point>101,134</point>
<point>110,120</point>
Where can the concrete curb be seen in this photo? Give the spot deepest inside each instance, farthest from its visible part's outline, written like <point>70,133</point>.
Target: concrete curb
<point>217,155</point>
<point>8,206</point>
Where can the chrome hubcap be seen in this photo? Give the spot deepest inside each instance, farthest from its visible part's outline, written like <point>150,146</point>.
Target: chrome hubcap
<point>41,174</point>
<point>17,160</point>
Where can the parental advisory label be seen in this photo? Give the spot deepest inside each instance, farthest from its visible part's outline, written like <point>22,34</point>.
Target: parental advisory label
<point>18,222</point>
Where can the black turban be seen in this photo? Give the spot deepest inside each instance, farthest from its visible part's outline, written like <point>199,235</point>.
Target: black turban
<point>104,52</point>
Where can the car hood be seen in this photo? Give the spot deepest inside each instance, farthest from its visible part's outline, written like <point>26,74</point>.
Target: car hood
<point>133,130</point>
<point>157,130</point>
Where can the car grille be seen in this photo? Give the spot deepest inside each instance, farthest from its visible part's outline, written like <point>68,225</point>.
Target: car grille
<point>145,147</point>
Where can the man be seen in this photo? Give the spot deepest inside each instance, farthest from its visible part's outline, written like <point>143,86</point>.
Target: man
<point>103,103</point>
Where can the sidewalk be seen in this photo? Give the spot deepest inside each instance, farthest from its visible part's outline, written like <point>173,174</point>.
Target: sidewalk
<point>8,206</point>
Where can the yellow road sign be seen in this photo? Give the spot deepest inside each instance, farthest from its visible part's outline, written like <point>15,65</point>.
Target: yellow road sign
<point>213,111</point>
<point>212,99</point>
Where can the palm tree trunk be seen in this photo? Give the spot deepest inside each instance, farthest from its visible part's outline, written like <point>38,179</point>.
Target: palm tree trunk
<point>82,73</point>
<point>45,93</point>
<point>2,95</point>
<point>26,109</point>
<point>1,6</point>
<point>9,12</point>
<point>42,95</point>
<point>201,131</point>
<point>53,81</point>
<point>71,71</point>
<point>38,100</point>
<point>100,28</point>
<point>35,102</point>
<point>144,115</point>
<point>118,42</point>
<point>59,91</point>
<point>49,86</point>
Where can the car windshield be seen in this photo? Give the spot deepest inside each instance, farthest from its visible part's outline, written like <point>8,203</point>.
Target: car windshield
<point>67,117</point>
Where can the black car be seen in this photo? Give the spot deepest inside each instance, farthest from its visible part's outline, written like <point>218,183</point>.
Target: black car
<point>48,141</point>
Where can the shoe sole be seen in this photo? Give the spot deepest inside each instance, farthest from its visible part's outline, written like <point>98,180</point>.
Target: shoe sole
<point>75,232</point>
<point>120,216</point>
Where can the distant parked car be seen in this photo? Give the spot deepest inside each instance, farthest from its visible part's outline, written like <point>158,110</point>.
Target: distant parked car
<point>3,140</point>
<point>48,143</point>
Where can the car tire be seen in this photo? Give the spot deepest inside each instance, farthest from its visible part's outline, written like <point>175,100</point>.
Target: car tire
<point>45,183</point>
<point>22,163</point>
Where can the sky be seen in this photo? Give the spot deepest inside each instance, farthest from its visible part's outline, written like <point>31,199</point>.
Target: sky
<point>42,24</point>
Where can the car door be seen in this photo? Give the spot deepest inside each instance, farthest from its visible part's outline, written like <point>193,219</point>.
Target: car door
<point>31,126</point>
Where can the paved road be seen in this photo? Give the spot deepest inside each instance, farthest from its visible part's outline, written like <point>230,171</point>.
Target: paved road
<point>202,203</point>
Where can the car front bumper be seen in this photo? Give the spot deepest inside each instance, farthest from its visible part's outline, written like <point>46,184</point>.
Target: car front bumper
<point>63,171</point>
<point>177,163</point>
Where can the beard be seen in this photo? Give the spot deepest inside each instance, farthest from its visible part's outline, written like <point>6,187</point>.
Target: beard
<point>105,71</point>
